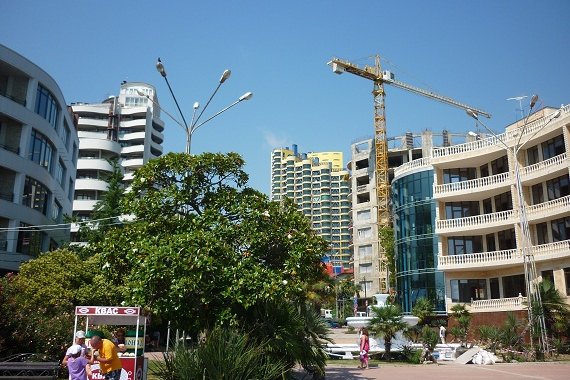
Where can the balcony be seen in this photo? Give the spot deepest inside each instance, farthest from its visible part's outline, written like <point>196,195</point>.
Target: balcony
<point>547,169</point>
<point>483,260</point>
<point>549,210</point>
<point>499,304</point>
<point>475,189</point>
<point>496,259</point>
<point>481,224</point>
<point>409,167</point>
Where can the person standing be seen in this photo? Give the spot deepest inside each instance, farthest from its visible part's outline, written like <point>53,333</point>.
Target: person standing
<point>442,334</point>
<point>364,348</point>
<point>106,354</point>
<point>79,341</point>
<point>77,365</point>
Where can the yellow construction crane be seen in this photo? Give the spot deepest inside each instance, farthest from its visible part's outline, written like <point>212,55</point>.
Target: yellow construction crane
<point>380,77</point>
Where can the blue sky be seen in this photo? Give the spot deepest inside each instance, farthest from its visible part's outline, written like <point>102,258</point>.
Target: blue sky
<point>478,52</point>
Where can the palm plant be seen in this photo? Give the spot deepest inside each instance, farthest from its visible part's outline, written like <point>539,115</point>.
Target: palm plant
<point>463,318</point>
<point>490,337</point>
<point>511,336</point>
<point>227,354</point>
<point>387,321</point>
<point>554,308</point>
<point>423,308</point>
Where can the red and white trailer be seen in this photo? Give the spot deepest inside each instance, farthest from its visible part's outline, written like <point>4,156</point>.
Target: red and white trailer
<point>134,363</point>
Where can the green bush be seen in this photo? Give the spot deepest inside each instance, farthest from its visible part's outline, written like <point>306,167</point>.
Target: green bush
<point>227,353</point>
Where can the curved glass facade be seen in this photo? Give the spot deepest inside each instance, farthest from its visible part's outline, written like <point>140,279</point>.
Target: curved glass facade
<point>413,210</point>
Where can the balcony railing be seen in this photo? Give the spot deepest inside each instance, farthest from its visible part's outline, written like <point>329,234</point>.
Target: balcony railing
<point>559,249</point>
<point>510,137</point>
<point>544,165</point>
<point>479,259</point>
<point>412,165</point>
<point>471,185</point>
<point>499,304</point>
<point>548,209</point>
<point>478,221</point>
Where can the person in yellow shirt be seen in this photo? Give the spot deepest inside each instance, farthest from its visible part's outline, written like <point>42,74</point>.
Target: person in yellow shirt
<point>109,361</point>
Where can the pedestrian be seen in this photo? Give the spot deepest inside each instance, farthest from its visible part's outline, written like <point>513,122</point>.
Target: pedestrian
<point>442,334</point>
<point>364,348</point>
<point>106,353</point>
<point>78,366</point>
<point>80,341</point>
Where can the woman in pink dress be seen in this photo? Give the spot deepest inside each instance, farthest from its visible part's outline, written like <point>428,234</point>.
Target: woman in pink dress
<point>364,348</point>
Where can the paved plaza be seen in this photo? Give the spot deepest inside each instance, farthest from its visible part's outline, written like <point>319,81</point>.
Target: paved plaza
<point>501,371</point>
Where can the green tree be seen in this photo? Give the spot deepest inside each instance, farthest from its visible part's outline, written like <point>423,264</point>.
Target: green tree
<point>555,309</point>
<point>423,309</point>
<point>204,247</point>
<point>37,308</point>
<point>463,318</point>
<point>387,321</point>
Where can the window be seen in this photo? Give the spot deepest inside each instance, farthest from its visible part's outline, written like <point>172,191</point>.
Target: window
<point>455,210</point>
<point>553,147</point>
<point>467,290</point>
<point>542,233</point>
<point>494,286</point>
<point>458,175</point>
<point>56,212</point>
<point>363,215</point>
<point>500,165</point>
<point>490,238</point>
<point>484,170</point>
<point>532,155</point>
<point>503,202</point>
<point>462,245</point>
<point>46,106</point>
<point>30,241</point>
<point>60,173</point>
<point>547,275</point>
<point>40,150</point>
<point>487,206</point>
<point>364,233</point>
<point>557,187</point>
<point>537,194</point>
<point>507,239</point>
<point>35,195</point>
<point>561,229</point>
<point>365,250</point>
<point>513,286</point>
<point>365,268</point>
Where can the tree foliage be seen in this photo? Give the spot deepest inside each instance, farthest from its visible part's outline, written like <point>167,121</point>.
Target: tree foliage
<point>204,247</point>
<point>387,321</point>
<point>37,308</point>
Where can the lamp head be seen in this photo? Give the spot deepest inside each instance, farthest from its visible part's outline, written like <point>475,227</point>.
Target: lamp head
<point>196,105</point>
<point>141,93</point>
<point>226,74</point>
<point>246,96</point>
<point>472,113</point>
<point>160,68</point>
<point>533,100</point>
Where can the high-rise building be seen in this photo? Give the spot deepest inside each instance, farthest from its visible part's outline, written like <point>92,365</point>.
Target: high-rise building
<point>38,153</point>
<point>127,129</point>
<point>319,185</point>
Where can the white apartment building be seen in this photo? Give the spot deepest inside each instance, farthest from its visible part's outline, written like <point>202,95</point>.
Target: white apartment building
<point>38,153</point>
<point>318,184</point>
<point>126,128</point>
<point>480,241</point>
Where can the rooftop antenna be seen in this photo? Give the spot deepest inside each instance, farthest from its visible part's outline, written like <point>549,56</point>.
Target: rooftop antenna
<point>519,99</point>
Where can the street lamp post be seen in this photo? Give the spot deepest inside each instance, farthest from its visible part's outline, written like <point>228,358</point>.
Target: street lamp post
<point>190,129</point>
<point>536,317</point>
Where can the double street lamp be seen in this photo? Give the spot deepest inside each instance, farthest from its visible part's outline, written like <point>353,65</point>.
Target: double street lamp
<point>189,129</point>
<point>534,301</point>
